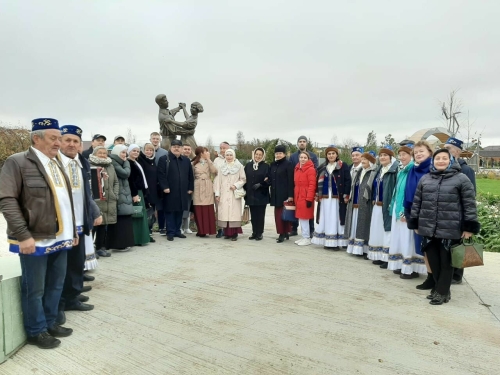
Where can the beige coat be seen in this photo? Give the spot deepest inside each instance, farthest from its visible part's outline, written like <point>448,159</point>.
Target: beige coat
<point>229,208</point>
<point>203,194</point>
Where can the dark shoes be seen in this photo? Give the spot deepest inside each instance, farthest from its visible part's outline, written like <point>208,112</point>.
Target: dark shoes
<point>384,265</point>
<point>163,232</point>
<point>86,288</point>
<point>252,237</point>
<point>151,239</point>
<point>331,248</point>
<point>58,331</point>
<point>44,341</point>
<point>103,253</point>
<point>397,272</point>
<point>413,275</point>
<point>428,284</point>
<point>61,318</point>
<point>377,262</point>
<point>88,277</point>
<point>200,235</point>
<point>456,282</point>
<point>180,236</point>
<point>259,238</point>
<point>82,298</point>
<point>79,306</point>
<point>219,233</point>
<point>431,296</point>
<point>294,233</point>
<point>281,238</point>
<point>439,299</point>
<point>234,237</point>
<point>169,238</point>
<point>365,257</point>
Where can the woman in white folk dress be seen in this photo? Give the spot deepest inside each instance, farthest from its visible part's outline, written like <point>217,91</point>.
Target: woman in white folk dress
<point>402,249</point>
<point>359,212</point>
<point>382,190</point>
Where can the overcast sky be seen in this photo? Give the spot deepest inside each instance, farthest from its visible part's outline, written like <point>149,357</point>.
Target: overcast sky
<point>268,68</point>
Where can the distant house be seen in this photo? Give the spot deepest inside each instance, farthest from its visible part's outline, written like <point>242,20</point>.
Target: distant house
<point>490,156</point>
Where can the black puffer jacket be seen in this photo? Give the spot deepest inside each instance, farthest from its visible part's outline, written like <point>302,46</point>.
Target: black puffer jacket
<point>444,205</point>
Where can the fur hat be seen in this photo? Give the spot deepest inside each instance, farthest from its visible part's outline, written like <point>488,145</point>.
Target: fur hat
<point>408,148</point>
<point>280,148</point>
<point>387,149</point>
<point>332,148</point>
<point>369,157</point>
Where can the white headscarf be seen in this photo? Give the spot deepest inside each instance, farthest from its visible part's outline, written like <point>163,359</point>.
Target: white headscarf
<point>255,163</point>
<point>117,150</point>
<point>133,146</point>
<point>230,168</point>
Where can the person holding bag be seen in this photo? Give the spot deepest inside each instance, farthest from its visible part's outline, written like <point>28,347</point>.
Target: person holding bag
<point>444,211</point>
<point>231,177</point>
<point>304,194</point>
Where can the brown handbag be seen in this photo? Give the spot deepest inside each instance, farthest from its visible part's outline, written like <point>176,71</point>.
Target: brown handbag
<point>245,218</point>
<point>467,254</point>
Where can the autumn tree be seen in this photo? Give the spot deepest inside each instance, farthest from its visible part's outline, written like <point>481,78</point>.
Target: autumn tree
<point>13,139</point>
<point>371,142</point>
<point>389,141</point>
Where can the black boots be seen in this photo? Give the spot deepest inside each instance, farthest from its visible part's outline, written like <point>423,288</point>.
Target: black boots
<point>428,284</point>
<point>281,238</point>
<point>439,299</point>
<point>219,233</point>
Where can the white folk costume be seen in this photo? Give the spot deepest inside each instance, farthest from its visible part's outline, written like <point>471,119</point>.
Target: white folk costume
<point>90,258</point>
<point>330,231</point>
<point>402,255</point>
<point>64,212</point>
<point>380,238</point>
<point>360,209</point>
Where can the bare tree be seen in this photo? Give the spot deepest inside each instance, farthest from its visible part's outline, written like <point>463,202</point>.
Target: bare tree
<point>209,144</point>
<point>468,130</point>
<point>450,111</point>
<point>131,138</point>
<point>334,140</point>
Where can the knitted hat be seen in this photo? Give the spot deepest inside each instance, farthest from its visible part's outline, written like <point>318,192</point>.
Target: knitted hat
<point>94,151</point>
<point>280,148</point>
<point>369,157</point>
<point>387,149</point>
<point>132,147</point>
<point>332,148</point>
<point>302,137</point>
<point>117,150</point>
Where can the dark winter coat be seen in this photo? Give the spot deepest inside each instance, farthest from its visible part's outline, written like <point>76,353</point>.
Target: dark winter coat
<point>469,172</point>
<point>444,205</point>
<point>135,179</point>
<point>86,153</point>
<point>91,210</point>
<point>342,179</point>
<point>305,190</point>
<point>176,174</point>
<point>260,196</point>
<point>122,169</point>
<point>151,172</point>
<point>280,178</point>
<point>389,184</point>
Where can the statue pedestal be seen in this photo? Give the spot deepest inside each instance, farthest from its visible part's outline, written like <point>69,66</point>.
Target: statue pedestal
<point>12,334</point>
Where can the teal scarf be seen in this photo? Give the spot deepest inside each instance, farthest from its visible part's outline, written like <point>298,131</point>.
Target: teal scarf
<point>399,196</point>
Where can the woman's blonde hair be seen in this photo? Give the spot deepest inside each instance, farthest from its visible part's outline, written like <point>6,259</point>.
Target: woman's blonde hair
<point>424,144</point>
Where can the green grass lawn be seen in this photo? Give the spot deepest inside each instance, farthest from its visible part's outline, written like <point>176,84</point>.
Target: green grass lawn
<point>488,186</point>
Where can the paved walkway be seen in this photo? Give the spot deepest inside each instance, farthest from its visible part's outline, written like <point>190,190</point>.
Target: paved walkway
<point>212,306</point>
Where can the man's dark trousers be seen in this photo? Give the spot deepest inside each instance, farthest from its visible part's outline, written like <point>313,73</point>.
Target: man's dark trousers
<point>73,282</point>
<point>174,222</point>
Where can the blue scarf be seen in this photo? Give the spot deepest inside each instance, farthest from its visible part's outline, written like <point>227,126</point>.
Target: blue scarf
<point>414,176</point>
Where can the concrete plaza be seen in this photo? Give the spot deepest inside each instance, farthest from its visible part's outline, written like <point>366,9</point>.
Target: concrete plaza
<point>212,306</point>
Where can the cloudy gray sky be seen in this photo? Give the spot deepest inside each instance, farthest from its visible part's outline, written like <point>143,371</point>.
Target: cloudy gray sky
<point>269,68</point>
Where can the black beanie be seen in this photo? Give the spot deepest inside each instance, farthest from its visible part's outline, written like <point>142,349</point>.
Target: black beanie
<point>280,148</point>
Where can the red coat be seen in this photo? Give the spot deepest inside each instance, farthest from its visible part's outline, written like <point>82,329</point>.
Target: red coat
<point>305,190</point>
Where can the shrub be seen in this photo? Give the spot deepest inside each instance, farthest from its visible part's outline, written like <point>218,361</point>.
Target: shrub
<point>492,175</point>
<point>488,210</point>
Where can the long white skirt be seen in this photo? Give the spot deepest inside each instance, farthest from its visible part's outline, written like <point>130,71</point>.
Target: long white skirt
<point>90,258</point>
<point>402,251</point>
<point>356,246</point>
<point>329,232</point>
<point>380,240</point>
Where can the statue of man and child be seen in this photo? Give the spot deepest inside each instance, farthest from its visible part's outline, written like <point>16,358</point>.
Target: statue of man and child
<point>170,129</point>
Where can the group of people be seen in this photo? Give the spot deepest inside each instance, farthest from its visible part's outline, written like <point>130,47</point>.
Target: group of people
<point>65,206</point>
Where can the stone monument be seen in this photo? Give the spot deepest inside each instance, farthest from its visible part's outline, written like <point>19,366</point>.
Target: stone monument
<point>170,129</point>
